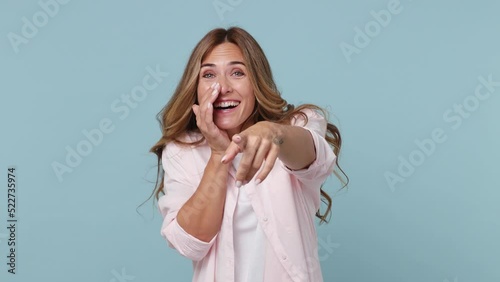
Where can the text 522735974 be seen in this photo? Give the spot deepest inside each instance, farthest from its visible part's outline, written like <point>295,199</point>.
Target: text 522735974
<point>12,219</point>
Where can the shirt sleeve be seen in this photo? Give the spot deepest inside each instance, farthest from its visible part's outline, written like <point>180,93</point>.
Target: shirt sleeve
<point>180,182</point>
<point>312,177</point>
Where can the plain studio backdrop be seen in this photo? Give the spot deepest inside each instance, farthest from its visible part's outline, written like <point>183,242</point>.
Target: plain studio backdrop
<point>414,87</point>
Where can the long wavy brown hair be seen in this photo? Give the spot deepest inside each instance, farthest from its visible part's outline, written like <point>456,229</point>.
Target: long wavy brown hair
<point>177,117</point>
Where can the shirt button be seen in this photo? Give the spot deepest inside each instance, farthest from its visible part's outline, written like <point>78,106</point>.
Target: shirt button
<point>265,219</point>
<point>284,257</point>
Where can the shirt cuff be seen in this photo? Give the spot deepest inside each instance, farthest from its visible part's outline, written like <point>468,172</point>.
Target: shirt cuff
<point>186,244</point>
<point>321,157</point>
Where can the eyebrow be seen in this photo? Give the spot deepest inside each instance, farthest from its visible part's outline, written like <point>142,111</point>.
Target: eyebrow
<point>230,63</point>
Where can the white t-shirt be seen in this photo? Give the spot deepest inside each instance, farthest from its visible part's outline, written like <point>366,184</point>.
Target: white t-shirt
<point>249,242</point>
<point>248,239</point>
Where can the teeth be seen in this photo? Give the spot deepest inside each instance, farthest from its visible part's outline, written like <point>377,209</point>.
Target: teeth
<point>226,104</point>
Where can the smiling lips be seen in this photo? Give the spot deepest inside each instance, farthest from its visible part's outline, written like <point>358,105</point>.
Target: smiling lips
<point>226,105</point>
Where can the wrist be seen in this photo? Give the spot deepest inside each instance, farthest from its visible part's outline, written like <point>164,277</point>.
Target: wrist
<point>217,155</point>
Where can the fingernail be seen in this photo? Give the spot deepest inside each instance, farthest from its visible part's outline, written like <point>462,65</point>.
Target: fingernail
<point>237,138</point>
<point>214,92</point>
<point>223,159</point>
<point>209,105</point>
<point>258,181</point>
<point>213,85</point>
<point>238,184</point>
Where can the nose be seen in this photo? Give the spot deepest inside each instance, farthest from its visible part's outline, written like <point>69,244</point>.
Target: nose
<point>225,85</point>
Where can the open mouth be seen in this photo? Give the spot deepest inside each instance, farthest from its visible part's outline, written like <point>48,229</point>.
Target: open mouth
<point>226,105</point>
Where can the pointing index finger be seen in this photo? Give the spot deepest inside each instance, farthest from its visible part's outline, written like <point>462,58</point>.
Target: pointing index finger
<point>234,148</point>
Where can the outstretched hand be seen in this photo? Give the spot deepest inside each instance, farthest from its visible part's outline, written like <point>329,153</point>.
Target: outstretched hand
<point>259,144</point>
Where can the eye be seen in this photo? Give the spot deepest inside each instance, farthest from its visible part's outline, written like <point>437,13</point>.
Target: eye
<point>208,75</point>
<point>238,73</point>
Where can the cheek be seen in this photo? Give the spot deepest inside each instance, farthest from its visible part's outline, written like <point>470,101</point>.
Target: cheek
<point>252,104</point>
<point>249,95</point>
<point>202,89</point>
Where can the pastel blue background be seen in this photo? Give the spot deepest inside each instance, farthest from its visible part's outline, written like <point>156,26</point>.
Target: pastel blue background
<point>441,224</point>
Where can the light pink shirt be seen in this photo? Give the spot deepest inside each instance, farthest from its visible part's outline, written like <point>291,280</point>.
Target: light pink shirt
<point>285,204</point>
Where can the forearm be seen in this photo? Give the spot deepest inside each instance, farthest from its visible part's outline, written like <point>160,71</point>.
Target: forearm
<point>297,148</point>
<point>201,215</point>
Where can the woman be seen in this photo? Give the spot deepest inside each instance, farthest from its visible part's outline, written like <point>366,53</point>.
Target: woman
<point>242,168</point>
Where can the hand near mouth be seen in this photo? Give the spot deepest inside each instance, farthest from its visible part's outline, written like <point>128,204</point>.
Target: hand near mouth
<point>217,139</point>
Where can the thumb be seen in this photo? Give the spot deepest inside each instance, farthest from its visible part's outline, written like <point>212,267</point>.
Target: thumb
<point>237,138</point>
<point>240,140</point>
<point>234,148</point>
